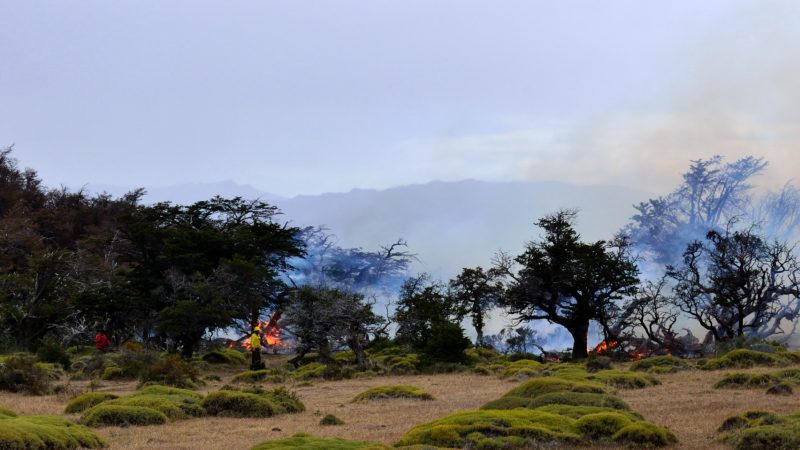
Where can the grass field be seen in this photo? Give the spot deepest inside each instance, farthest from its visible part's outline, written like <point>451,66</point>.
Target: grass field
<point>686,402</point>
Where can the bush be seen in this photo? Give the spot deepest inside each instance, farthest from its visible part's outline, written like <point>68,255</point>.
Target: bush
<point>172,371</point>
<point>743,359</point>
<point>45,432</point>
<point>251,403</point>
<point>446,343</point>
<point>132,363</point>
<point>580,399</point>
<point>519,428</point>
<point>393,391</point>
<point>596,363</point>
<point>576,412</point>
<point>87,400</point>
<point>172,402</point>
<point>225,356</point>
<point>255,376</point>
<point>645,434</point>
<point>121,415</point>
<point>659,364</point>
<point>308,371</point>
<point>50,351</point>
<point>523,368</point>
<point>306,442</point>
<point>625,380</point>
<point>21,373</point>
<point>782,388</point>
<point>769,437</point>
<point>539,386</point>
<point>602,425</point>
<point>330,419</point>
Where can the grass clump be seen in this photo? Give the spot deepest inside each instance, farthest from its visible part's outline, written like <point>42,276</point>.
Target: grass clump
<point>523,368</point>
<point>743,359</point>
<point>330,419</point>
<point>602,425</point>
<point>625,380</point>
<point>580,399</point>
<point>539,386</point>
<point>782,388</point>
<point>225,356</point>
<point>105,414</point>
<point>659,364</point>
<point>762,430</point>
<point>232,402</point>
<point>393,391</point>
<point>576,412</point>
<point>302,441</point>
<point>780,382</point>
<point>311,370</point>
<point>644,434</point>
<point>45,432</point>
<point>4,412</point>
<point>87,400</point>
<point>256,376</point>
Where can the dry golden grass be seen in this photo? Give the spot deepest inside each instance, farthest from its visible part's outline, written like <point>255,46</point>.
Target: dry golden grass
<point>686,402</point>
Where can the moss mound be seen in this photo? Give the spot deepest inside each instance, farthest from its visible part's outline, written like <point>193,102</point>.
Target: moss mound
<point>743,358</point>
<point>256,376</point>
<point>602,425</point>
<point>175,403</point>
<point>576,412</point>
<point>251,403</point>
<point>305,442</point>
<point>580,399</point>
<point>122,415</point>
<point>226,356</point>
<point>782,388</point>
<point>330,419</point>
<point>644,434</point>
<point>393,391</point>
<point>780,382</point>
<point>45,433</point>
<point>87,400</point>
<point>539,386</point>
<point>523,368</point>
<point>511,429</point>
<point>624,380</point>
<point>762,430</point>
<point>659,364</point>
<point>308,371</point>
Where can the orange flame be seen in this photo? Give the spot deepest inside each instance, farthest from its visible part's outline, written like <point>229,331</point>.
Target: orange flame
<point>269,331</point>
<point>606,346</point>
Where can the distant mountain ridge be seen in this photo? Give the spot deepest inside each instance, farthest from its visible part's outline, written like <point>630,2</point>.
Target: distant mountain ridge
<point>449,225</point>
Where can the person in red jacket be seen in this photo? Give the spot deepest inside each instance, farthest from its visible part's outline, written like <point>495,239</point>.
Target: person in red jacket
<point>101,342</point>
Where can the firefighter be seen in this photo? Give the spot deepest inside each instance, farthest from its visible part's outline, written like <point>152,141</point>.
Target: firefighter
<point>255,349</point>
<point>101,341</point>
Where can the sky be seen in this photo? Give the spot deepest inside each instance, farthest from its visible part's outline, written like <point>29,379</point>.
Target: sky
<point>310,97</point>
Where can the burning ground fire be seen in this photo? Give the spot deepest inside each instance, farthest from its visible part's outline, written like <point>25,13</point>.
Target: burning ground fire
<point>607,347</point>
<point>269,331</point>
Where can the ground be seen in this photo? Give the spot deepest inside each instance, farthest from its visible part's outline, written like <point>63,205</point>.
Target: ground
<point>686,402</point>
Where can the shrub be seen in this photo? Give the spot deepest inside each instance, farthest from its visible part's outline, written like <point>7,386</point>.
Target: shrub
<point>305,442</point>
<point>393,391</point>
<point>255,376</point>
<point>602,425</point>
<point>479,429</point>
<point>645,434</point>
<point>579,399</point>
<point>523,368</point>
<point>659,364</point>
<point>743,380</point>
<point>87,400</point>
<point>106,414</point>
<point>576,412</point>
<point>45,432</point>
<point>446,343</point>
<point>782,388</point>
<point>330,419</point>
<point>112,373</point>
<point>769,437</point>
<point>625,380</point>
<point>596,363</point>
<point>50,351</point>
<point>733,381</point>
<point>511,402</point>
<point>225,356</point>
<point>172,371</point>
<point>172,402</point>
<point>743,358</point>
<point>538,386</point>
<point>308,371</point>
<point>251,403</point>
<point>132,363</point>
<point>21,373</point>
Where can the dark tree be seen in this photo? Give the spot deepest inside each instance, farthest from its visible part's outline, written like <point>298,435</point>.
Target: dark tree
<point>477,291</point>
<point>735,283</point>
<point>566,281</point>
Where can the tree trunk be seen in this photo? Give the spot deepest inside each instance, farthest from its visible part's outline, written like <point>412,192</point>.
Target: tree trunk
<point>580,336</point>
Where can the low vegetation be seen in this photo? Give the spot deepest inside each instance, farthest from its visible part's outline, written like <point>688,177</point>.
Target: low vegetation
<point>232,402</point>
<point>330,419</point>
<point>660,364</point>
<point>303,441</point>
<point>762,430</point>
<point>45,433</point>
<point>744,358</point>
<point>393,391</point>
<point>122,415</point>
<point>22,372</point>
<point>87,400</point>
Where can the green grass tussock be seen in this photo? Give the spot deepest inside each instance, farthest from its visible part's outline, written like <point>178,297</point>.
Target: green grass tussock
<point>602,425</point>
<point>743,359</point>
<point>644,435</point>
<point>660,364</point>
<point>762,430</point>
<point>251,403</point>
<point>256,376</point>
<point>225,356</point>
<point>309,371</point>
<point>330,419</point>
<point>122,415</point>
<point>580,399</point>
<point>624,380</point>
<point>523,368</point>
<point>305,442</point>
<point>45,433</point>
<point>87,400</point>
<point>539,386</point>
<point>393,391</point>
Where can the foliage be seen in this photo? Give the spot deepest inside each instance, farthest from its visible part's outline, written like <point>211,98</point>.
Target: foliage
<point>521,369</point>
<point>330,419</point>
<point>225,356</point>
<point>671,363</point>
<point>477,291</point>
<point>50,351</point>
<point>540,386</point>
<point>87,400</point>
<point>45,433</point>
<point>21,373</point>
<point>174,403</point>
<point>172,371</point>
<point>122,415</point>
<point>446,343</point>
<point>596,363</point>
<point>579,399</point>
<point>762,430</point>
<point>644,434</point>
<point>624,380</point>
<point>254,376</point>
<point>602,425</point>
<point>251,403</point>
<point>306,442</point>
<point>742,359</point>
<point>393,391</point>
<point>308,371</point>
<point>569,282</point>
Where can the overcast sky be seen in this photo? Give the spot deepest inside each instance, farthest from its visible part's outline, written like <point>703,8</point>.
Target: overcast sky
<point>306,97</point>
